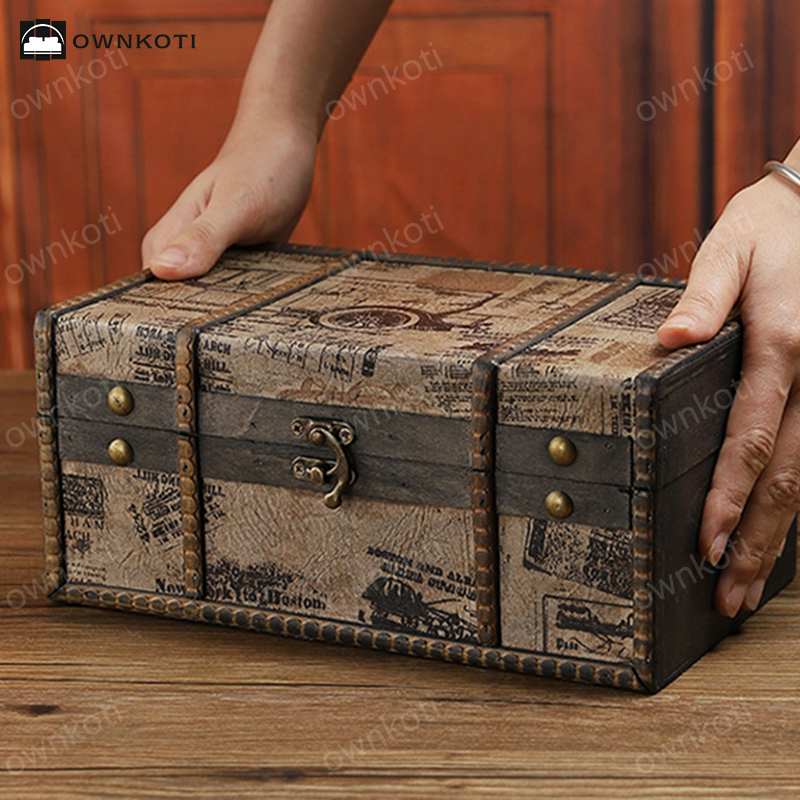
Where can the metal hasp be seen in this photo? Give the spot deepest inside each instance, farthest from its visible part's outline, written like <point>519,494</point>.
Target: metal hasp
<point>325,433</point>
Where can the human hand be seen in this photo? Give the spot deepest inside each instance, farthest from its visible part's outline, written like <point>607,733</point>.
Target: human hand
<point>255,190</point>
<point>751,256</point>
<point>257,187</point>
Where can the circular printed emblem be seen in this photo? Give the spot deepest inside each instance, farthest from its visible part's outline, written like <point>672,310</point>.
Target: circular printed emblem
<point>367,318</point>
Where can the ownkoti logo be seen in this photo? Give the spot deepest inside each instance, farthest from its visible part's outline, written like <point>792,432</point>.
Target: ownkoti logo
<point>42,39</point>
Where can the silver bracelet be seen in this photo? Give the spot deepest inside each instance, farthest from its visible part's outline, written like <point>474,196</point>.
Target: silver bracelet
<point>791,175</point>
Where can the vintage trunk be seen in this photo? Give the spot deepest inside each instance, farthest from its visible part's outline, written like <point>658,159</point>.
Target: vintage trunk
<point>492,464</point>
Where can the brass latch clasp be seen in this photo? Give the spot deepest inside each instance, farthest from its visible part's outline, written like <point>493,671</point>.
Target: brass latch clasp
<point>325,433</point>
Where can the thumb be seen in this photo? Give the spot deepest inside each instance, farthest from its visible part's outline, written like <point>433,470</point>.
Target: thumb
<point>197,247</point>
<point>715,283</point>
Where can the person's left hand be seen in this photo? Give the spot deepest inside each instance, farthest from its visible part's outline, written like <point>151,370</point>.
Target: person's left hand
<point>751,256</point>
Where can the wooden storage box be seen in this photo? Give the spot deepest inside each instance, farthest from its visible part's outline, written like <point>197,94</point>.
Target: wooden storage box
<point>486,463</point>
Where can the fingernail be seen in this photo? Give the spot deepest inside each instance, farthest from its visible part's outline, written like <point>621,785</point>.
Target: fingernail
<point>171,257</point>
<point>782,548</point>
<point>734,599</point>
<point>717,549</point>
<point>753,596</point>
<point>680,320</point>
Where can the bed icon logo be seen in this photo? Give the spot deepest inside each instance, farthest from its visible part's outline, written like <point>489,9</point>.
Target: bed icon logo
<point>42,39</point>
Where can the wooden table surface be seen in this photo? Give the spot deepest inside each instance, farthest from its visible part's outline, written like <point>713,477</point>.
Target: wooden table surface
<point>97,704</point>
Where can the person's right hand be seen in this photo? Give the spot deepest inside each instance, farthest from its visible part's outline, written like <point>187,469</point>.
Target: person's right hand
<point>254,191</point>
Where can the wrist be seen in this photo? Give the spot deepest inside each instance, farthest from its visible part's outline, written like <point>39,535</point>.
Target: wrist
<point>282,90</point>
<point>793,157</point>
<point>259,118</point>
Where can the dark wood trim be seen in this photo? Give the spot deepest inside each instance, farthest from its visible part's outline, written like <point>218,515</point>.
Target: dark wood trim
<point>686,624</point>
<point>385,478</point>
<point>401,436</point>
<point>618,675</point>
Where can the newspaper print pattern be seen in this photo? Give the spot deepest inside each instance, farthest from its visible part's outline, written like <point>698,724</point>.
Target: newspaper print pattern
<point>131,337</point>
<point>386,336</point>
<point>398,337</point>
<point>566,589</point>
<point>582,378</point>
<point>122,527</point>
<point>392,566</point>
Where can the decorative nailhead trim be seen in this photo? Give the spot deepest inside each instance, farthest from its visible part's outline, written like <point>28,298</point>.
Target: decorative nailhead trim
<point>48,455</point>
<point>484,512</point>
<point>617,675</point>
<point>188,473</point>
<point>642,575</point>
<point>642,502</point>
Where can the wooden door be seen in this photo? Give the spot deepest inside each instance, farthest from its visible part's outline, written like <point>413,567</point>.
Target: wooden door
<point>520,130</point>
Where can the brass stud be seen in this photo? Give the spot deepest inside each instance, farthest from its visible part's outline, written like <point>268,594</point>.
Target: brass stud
<point>558,505</point>
<point>120,401</point>
<point>562,451</point>
<point>120,452</point>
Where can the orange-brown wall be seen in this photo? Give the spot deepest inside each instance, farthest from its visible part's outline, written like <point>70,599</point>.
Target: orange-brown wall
<point>528,139</point>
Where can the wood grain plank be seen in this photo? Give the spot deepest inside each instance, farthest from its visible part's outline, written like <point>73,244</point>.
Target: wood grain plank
<point>259,783</point>
<point>204,712</point>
